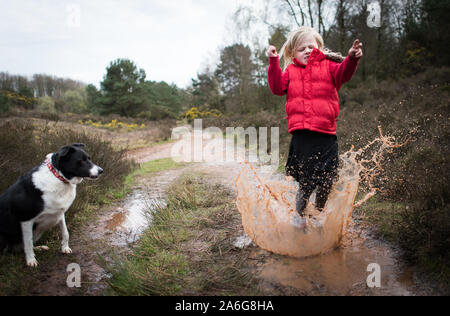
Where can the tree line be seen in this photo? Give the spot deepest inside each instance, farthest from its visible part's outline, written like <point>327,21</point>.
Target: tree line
<point>39,85</point>
<point>411,35</point>
<point>123,91</point>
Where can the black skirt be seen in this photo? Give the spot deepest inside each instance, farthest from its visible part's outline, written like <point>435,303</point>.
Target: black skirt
<point>313,159</point>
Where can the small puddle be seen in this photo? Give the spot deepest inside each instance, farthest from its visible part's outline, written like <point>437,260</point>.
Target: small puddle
<point>133,218</point>
<point>125,224</point>
<point>139,207</point>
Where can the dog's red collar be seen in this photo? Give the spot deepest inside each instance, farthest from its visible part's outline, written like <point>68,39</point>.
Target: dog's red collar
<point>54,171</point>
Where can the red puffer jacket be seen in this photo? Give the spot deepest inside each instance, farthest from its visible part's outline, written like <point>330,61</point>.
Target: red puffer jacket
<point>312,90</point>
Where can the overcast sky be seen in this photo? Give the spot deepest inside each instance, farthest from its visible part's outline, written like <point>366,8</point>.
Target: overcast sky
<point>170,39</point>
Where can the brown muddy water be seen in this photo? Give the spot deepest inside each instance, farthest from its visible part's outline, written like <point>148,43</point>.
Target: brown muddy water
<point>123,225</point>
<point>340,269</point>
<point>324,253</point>
<point>343,271</point>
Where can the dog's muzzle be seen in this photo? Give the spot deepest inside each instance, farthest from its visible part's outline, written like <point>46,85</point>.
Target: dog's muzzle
<point>95,172</point>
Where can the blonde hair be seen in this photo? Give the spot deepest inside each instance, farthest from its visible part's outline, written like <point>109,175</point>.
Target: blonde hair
<point>293,42</point>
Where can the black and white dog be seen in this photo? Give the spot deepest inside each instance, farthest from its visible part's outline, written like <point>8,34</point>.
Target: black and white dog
<point>39,200</point>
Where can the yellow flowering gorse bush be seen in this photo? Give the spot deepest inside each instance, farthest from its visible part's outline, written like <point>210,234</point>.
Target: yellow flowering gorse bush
<point>19,100</point>
<point>113,125</point>
<point>195,113</point>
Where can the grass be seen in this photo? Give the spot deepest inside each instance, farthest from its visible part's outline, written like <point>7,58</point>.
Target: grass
<point>146,169</point>
<point>383,216</point>
<point>154,166</point>
<point>155,132</point>
<point>16,279</point>
<point>147,143</point>
<point>388,220</point>
<point>188,250</point>
<point>12,274</point>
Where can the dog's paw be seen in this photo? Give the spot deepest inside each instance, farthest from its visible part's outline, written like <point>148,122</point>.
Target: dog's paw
<point>66,250</point>
<point>32,263</point>
<point>41,248</point>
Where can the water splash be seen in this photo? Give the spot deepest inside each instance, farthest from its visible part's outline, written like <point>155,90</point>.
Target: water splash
<point>268,210</point>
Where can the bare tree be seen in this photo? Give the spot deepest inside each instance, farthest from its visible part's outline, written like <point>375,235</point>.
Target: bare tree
<point>308,12</point>
<point>319,8</point>
<point>292,5</point>
<point>341,22</point>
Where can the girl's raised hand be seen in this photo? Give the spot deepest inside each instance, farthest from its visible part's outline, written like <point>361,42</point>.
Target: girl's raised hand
<point>356,50</point>
<point>272,51</point>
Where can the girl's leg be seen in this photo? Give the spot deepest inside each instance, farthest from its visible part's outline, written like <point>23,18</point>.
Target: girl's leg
<point>323,191</point>
<point>304,192</point>
<point>324,186</point>
<point>327,173</point>
<point>300,203</point>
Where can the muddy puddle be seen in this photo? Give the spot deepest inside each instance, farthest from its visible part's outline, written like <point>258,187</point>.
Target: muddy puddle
<point>342,271</point>
<point>124,224</point>
<point>324,253</point>
<point>128,226</point>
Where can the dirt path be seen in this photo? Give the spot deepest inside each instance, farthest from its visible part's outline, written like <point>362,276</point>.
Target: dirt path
<point>340,272</point>
<point>142,155</point>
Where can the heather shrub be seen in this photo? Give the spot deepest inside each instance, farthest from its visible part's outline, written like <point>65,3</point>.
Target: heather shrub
<point>24,145</point>
<point>416,176</point>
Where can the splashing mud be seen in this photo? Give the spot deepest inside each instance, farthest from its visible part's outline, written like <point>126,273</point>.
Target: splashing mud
<point>268,208</point>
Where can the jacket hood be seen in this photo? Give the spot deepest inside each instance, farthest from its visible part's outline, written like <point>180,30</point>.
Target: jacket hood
<point>333,56</point>
<point>318,55</point>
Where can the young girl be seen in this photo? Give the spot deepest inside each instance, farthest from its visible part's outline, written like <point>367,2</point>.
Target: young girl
<point>311,80</point>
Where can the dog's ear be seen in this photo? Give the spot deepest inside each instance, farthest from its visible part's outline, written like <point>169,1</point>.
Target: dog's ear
<point>64,151</point>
